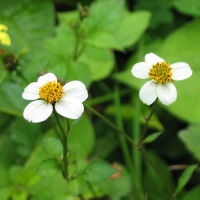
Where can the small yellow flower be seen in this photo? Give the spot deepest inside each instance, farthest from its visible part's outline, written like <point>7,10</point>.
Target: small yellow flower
<point>4,37</point>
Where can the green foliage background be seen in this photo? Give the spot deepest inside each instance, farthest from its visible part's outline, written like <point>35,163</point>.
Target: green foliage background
<point>97,42</point>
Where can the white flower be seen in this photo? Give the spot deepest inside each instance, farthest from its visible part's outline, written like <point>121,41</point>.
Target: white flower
<point>48,94</point>
<point>161,74</point>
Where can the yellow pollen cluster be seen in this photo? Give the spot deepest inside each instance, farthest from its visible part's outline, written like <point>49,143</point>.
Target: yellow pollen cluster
<point>161,73</point>
<point>51,92</point>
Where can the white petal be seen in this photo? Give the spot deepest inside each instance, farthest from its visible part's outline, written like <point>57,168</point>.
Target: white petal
<point>49,77</point>
<point>37,111</point>
<point>167,93</point>
<point>31,92</point>
<point>180,71</point>
<point>75,89</point>
<point>140,70</point>
<point>70,108</point>
<point>148,93</point>
<point>152,59</point>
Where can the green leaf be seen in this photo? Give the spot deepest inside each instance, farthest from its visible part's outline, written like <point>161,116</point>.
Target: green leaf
<point>103,38</point>
<point>97,171</point>
<point>191,138</point>
<point>62,46</point>
<point>11,101</point>
<point>5,193</point>
<point>81,139</point>
<point>160,9</point>
<point>184,178</point>
<point>127,78</point>
<point>48,168</point>
<point>26,21</point>
<point>105,64</point>
<point>53,147</point>
<point>191,7</point>
<point>80,71</point>
<point>132,27</point>
<point>152,137</point>
<point>119,187</point>
<point>111,11</point>
<point>192,194</point>
<point>101,32</point>
<point>26,136</point>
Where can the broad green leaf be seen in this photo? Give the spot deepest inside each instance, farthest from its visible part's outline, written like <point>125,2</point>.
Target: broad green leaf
<point>152,137</point>
<point>119,186</point>
<point>184,178</point>
<point>81,138</point>
<point>132,27</point>
<point>19,195</point>
<point>111,11</point>
<point>48,188</point>
<point>192,194</point>
<point>101,32</point>
<point>5,193</point>
<point>160,9</point>
<point>26,135</point>
<point>11,101</point>
<point>48,168</point>
<point>100,61</point>
<point>62,46</point>
<point>29,23</point>
<point>191,138</point>
<point>127,78</point>
<point>53,147</point>
<point>191,7</point>
<point>80,71</point>
<point>97,171</point>
<point>103,38</point>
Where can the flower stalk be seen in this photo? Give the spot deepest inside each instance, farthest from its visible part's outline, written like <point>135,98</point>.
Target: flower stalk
<point>64,142</point>
<point>147,120</point>
<point>111,124</point>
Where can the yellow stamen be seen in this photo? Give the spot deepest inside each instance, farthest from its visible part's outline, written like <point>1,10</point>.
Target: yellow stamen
<point>51,91</point>
<point>161,73</point>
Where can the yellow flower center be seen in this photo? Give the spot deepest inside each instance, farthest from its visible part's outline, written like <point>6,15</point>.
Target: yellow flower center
<point>51,91</point>
<point>161,72</point>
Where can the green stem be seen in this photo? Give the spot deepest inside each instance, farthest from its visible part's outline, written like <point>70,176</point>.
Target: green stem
<point>92,189</point>
<point>147,120</point>
<point>107,97</point>
<point>112,125</point>
<point>76,53</point>
<point>136,136</point>
<point>64,142</point>
<point>122,140</point>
